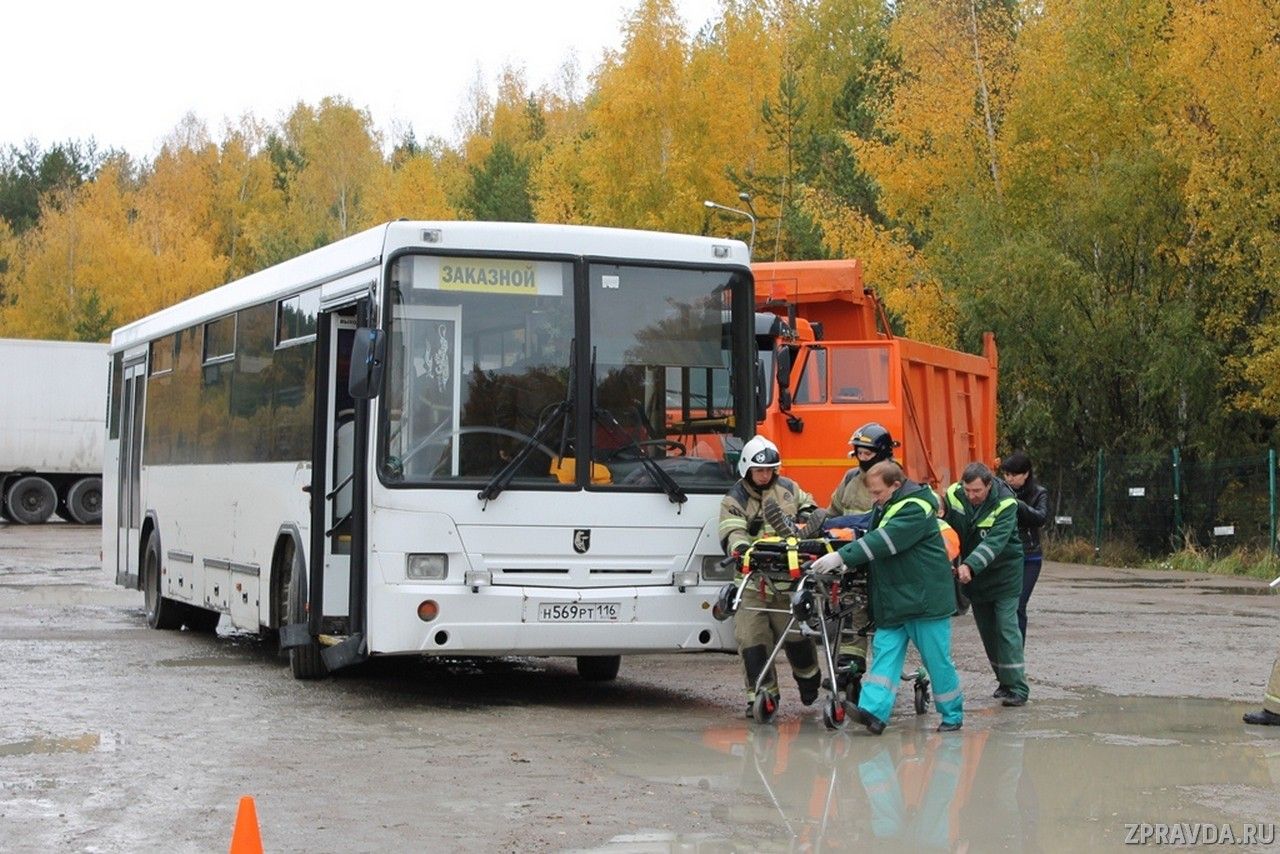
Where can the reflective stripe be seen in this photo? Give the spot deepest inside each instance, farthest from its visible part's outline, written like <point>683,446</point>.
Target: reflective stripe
<point>893,550</point>
<point>1272,697</point>
<point>1000,508</point>
<point>953,497</point>
<point>983,547</point>
<point>892,511</point>
<point>950,695</point>
<point>866,549</point>
<point>879,680</point>
<point>1009,666</point>
<point>733,522</point>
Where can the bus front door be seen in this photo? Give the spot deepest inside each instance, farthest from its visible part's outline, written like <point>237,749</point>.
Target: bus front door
<point>339,467</point>
<point>132,403</point>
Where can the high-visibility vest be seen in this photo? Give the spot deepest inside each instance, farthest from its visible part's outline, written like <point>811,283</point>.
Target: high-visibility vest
<point>949,536</point>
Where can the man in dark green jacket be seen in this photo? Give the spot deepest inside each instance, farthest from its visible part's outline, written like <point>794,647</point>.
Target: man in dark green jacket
<point>912,595</point>
<point>984,512</point>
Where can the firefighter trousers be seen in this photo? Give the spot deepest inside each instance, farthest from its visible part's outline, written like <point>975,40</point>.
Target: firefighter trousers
<point>757,632</point>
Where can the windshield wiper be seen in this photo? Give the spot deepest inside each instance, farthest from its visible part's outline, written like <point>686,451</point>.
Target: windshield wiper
<point>502,477</point>
<point>606,419</point>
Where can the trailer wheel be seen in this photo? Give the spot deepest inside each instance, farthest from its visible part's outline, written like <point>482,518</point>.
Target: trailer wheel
<point>304,661</point>
<point>84,501</point>
<point>599,668</point>
<point>162,612</point>
<point>31,500</point>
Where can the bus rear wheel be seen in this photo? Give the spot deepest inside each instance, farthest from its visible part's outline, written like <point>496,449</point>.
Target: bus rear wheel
<point>162,613</point>
<point>599,668</point>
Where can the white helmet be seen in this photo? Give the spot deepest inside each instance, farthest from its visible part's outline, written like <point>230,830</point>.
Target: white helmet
<point>758,453</point>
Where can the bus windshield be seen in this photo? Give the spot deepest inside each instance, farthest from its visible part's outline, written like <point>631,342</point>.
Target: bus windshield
<point>482,361</point>
<point>479,354</point>
<point>661,374</point>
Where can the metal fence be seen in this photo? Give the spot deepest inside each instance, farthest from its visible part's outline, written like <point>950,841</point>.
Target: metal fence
<point>1155,505</point>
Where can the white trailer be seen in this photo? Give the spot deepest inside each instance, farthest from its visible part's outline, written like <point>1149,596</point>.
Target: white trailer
<point>53,404</point>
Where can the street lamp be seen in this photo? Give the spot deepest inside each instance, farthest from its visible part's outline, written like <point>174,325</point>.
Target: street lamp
<point>746,197</point>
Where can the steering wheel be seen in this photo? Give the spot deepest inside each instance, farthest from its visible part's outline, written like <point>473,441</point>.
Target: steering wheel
<point>670,445</point>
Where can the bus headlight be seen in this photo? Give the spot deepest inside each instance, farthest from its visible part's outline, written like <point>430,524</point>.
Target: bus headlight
<point>427,567</point>
<point>713,571</point>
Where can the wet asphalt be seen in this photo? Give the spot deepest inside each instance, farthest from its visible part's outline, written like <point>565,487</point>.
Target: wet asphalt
<point>114,737</point>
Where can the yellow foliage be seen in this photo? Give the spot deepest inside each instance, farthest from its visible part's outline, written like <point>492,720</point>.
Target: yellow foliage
<point>899,274</point>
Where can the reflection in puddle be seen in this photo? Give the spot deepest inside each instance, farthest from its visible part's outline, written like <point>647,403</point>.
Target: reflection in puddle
<point>86,743</point>
<point>1060,776</point>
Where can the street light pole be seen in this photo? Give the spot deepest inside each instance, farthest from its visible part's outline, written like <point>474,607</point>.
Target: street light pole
<point>751,216</point>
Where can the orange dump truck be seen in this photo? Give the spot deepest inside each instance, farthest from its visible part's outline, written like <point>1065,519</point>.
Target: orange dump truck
<point>832,364</point>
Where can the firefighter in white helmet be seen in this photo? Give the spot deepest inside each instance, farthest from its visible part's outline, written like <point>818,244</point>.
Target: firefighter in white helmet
<point>742,521</point>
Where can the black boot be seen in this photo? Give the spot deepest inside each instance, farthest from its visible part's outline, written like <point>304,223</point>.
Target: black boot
<point>809,688</point>
<point>874,725</point>
<point>1262,717</point>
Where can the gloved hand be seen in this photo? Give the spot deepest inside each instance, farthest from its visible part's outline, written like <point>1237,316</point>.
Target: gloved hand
<point>813,525</point>
<point>830,562</point>
<point>781,523</point>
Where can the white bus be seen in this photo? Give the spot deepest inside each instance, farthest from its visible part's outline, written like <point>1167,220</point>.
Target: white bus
<point>441,438</point>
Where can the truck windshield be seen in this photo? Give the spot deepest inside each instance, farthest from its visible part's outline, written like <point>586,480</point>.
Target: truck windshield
<point>843,373</point>
<point>478,356</point>
<point>661,375</point>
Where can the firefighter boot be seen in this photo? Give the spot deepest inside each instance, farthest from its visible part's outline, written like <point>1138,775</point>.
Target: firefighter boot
<point>804,665</point>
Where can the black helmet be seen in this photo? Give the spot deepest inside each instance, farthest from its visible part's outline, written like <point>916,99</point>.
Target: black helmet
<point>873,437</point>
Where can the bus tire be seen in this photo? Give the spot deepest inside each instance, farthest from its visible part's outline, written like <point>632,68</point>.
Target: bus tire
<point>304,661</point>
<point>162,612</point>
<point>599,668</point>
<point>31,500</point>
<point>84,501</point>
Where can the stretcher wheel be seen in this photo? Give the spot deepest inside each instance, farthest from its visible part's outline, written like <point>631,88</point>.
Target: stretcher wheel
<point>764,708</point>
<point>834,714</point>
<point>921,696</point>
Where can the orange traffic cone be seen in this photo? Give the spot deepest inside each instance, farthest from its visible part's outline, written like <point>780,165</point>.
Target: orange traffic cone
<point>245,838</point>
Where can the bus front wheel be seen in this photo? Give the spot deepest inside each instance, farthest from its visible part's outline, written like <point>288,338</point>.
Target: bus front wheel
<point>599,668</point>
<point>304,661</point>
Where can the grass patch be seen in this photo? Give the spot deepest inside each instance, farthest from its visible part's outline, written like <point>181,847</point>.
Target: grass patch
<point>1249,563</point>
<point>1080,550</point>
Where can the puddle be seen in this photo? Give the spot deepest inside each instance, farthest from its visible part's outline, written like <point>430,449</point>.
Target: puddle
<point>86,743</point>
<point>1058,776</point>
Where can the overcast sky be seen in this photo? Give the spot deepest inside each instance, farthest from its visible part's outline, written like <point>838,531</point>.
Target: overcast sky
<point>126,72</point>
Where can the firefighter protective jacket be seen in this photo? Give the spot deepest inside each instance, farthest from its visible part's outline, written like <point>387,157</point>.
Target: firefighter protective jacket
<point>910,577</point>
<point>742,519</point>
<point>988,541</point>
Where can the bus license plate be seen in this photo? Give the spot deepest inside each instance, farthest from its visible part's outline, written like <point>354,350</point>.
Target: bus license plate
<point>579,612</point>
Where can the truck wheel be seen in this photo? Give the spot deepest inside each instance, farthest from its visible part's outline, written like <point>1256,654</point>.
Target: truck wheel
<point>31,500</point>
<point>84,501</point>
<point>304,661</point>
<point>162,613</point>
<point>599,668</point>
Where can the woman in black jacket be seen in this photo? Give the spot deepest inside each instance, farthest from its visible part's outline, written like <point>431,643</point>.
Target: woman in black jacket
<point>1033,509</point>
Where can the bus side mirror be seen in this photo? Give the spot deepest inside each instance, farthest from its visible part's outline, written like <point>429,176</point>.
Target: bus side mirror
<point>368,354</point>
